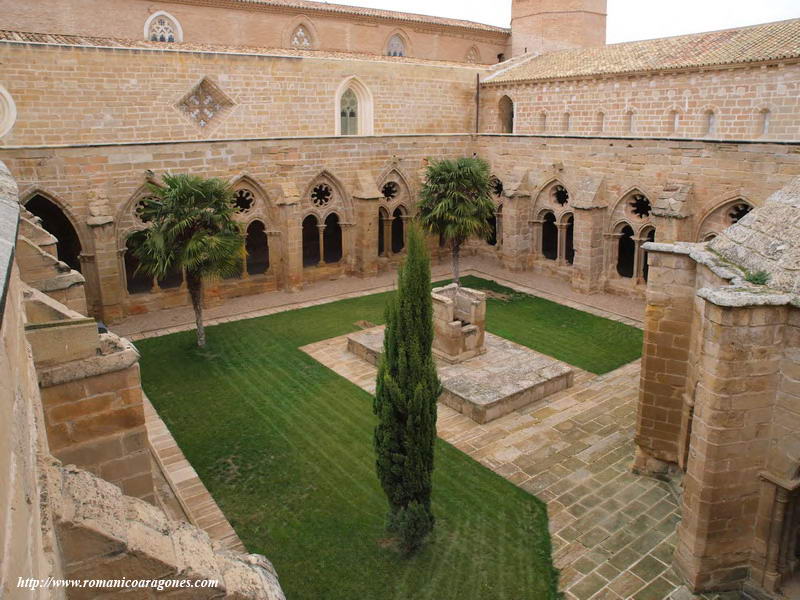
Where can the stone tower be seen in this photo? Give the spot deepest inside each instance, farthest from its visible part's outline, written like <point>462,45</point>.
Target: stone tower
<point>541,26</point>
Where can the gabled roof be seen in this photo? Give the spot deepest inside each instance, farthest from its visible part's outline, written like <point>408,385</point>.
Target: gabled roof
<point>757,43</point>
<point>309,5</point>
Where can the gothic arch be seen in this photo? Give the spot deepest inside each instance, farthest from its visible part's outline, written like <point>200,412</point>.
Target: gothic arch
<point>301,21</point>
<point>552,197</point>
<point>263,208</point>
<point>339,200</point>
<point>473,56</point>
<point>365,111</point>
<point>126,221</point>
<point>404,39</point>
<point>720,217</point>
<point>404,193</point>
<point>623,211</point>
<point>73,241</point>
<point>151,21</point>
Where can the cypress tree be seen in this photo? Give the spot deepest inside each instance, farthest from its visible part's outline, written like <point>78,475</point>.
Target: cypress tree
<point>405,401</point>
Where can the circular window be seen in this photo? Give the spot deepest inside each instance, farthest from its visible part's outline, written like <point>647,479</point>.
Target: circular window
<point>390,190</point>
<point>560,195</point>
<point>321,194</point>
<point>8,112</point>
<point>144,208</point>
<point>640,206</point>
<point>243,200</point>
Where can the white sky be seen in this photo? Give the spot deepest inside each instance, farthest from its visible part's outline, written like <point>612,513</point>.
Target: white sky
<point>627,19</point>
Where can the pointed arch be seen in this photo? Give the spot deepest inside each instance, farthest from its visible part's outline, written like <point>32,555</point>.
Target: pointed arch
<point>473,56</point>
<point>721,216</point>
<point>398,43</point>
<point>126,220</point>
<point>262,203</point>
<point>403,194</point>
<point>553,195</point>
<point>302,34</point>
<point>8,111</point>
<point>164,27</point>
<point>363,117</point>
<point>58,221</point>
<point>624,210</point>
<point>314,198</point>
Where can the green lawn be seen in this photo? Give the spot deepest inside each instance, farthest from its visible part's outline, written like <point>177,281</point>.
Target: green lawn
<point>285,447</point>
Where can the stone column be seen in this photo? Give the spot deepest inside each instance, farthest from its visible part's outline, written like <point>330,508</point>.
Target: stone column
<point>386,223</point>
<point>561,258</point>
<point>291,270</point>
<point>321,229</point>
<point>587,239</point>
<point>367,201</point>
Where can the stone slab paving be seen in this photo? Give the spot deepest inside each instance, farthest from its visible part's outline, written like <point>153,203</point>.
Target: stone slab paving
<point>613,532</point>
<point>196,501</point>
<point>172,320</point>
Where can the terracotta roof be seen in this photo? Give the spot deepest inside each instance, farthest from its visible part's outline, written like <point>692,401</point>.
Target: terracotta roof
<point>309,5</point>
<point>770,41</point>
<point>103,42</point>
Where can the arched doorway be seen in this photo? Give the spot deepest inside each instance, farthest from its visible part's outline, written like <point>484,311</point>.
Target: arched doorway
<point>626,252</point>
<point>332,239</point>
<point>549,237</point>
<point>398,233</point>
<point>311,256</point>
<point>56,222</point>
<point>257,247</point>
<point>569,240</point>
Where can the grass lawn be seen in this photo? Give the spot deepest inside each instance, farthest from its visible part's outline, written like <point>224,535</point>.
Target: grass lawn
<point>285,447</point>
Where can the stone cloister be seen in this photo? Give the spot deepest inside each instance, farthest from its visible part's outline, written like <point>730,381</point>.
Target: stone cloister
<point>653,182</point>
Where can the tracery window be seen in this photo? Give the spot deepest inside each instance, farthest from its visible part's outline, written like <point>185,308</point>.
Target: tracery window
<point>396,46</point>
<point>321,195</point>
<point>162,29</point>
<point>640,206</point>
<point>243,200</point>
<point>349,113</point>
<point>390,190</point>
<point>560,195</point>
<point>300,38</point>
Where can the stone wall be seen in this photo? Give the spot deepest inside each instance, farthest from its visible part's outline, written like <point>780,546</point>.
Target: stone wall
<point>127,95</point>
<point>673,105</point>
<point>27,542</point>
<point>235,23</point>
<point>99,187</point>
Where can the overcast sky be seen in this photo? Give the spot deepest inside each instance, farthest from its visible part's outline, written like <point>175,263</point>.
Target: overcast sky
<point>627,19</point>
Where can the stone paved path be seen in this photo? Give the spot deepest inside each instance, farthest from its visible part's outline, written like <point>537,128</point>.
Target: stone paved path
<point>613,532</point>
<point>164,322</point>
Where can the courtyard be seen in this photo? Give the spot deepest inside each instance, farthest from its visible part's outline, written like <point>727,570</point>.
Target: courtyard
<point>278,424</point>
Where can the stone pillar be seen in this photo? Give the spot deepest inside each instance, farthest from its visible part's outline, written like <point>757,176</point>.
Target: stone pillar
<point>738,378</point>
<point>561,259</point>
<point>665,366</point>
<point>386,223</point>
<point>367,201</point>
<point>587,239</point>
<point>105,267</point>
<point>514,232</point>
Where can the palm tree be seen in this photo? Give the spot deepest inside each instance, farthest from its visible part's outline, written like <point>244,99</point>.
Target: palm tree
<point>456,202</point>
<point>191,229</point>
